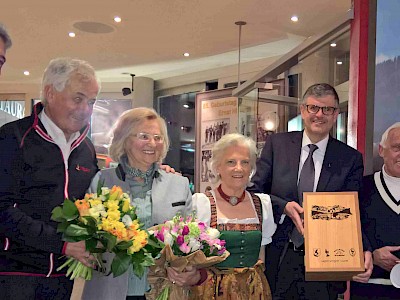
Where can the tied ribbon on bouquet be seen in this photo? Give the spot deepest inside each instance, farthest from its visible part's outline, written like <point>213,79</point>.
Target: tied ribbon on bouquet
<point>184,242</point>
<point>107,222</point>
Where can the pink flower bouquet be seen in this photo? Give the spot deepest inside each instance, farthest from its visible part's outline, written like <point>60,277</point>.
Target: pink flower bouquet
<point>184,242</point>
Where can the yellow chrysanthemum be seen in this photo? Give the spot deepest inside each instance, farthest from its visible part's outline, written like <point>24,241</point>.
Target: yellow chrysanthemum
<point>113,215</point>
<point>140,240</point>
<point>126,206</point>
<point>94,202</point>
<point>112,205</point>
<point>115,192</point>
<point>134,225</point>
<point>106,224</point>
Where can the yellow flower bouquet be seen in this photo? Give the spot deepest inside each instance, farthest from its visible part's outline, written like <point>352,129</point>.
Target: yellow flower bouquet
<point>107,222</point>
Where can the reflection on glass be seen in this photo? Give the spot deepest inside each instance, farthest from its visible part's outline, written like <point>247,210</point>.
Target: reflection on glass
<point>105,114</point>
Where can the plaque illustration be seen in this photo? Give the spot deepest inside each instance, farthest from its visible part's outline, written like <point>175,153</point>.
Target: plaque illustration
<point>335,212</point>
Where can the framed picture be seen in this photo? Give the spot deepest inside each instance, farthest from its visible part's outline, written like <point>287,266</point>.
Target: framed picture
<point>216,115</point>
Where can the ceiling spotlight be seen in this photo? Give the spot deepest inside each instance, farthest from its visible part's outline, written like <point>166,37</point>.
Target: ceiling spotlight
<point>333,44</point>
<point>186,105</point>
<point>294,18</point>
<point>71,34</point>
<point>26,73</point>
<point>339,63</point>
<point>117,19</point>
<point>186,54</point>
<point>126,91</point>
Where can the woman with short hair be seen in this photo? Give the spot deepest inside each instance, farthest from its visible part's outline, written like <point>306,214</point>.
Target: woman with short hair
<point>244,219</point>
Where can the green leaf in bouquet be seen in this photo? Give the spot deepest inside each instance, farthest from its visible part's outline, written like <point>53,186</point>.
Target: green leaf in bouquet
<point>138,270</point>
<point>90,244</point>
<point>100,184</point>
<point>62,226</point>
<point>70,211</point>
<point>107,239</point>
<point>120,263</point>
<point>124,245</point>
<point>74,239</point>
<point>148,260</point>
<point>90,224</point>
<point>76,230</point>
<point>57,214</point>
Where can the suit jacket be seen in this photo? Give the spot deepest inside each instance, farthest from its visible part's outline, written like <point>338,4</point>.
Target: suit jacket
<point>170,194</point>
<point>277,172</point>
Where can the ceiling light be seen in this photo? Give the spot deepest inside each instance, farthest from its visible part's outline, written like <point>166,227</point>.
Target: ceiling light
<point>186,105</point>
<point>294,18</point>
<point>339,63</point>
<point>71,34</point>
<point>186,54</point>
<point>26,73</point>
<point>333,44</point>
<point>117,19</point>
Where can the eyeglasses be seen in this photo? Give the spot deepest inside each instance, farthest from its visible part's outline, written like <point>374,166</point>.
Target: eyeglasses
<point>326,110</point>
<point>146,137</point>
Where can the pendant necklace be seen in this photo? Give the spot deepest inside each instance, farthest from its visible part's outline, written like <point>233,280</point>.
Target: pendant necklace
<point>233,200</point>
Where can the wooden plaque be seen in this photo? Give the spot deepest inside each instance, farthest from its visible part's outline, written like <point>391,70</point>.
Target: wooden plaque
<point>332,236</point>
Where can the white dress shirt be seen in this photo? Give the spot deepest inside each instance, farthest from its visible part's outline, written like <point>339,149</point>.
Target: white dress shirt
<point>318,156</point>
<point>58,136</point>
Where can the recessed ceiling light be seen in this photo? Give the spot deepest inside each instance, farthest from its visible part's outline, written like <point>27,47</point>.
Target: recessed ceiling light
<point>294,18</point>
<point>71,34</point>
<point>186,54</point>
<point>117,19</point>
<point>333,44</point>
<point>185,105</point>
<point>339,62</point>
<point>26,73</point>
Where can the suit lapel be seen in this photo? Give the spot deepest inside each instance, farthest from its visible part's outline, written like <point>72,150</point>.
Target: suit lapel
<point>327,169</point>
<point>294,159</point>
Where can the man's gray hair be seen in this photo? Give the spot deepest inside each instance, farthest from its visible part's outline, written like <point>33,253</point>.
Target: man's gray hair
<point>386,134</point>
<point>320,90</point>
<point>59,72</point>
<point>5,36</point>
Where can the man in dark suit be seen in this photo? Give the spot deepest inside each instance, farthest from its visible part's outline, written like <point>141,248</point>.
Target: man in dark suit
<point>337,167</point>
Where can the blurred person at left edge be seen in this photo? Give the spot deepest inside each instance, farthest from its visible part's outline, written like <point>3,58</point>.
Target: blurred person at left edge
<point>45,158</point>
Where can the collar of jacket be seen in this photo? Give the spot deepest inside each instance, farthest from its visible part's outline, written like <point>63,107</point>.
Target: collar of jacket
<point>122,175</point>
<point>38,126</point>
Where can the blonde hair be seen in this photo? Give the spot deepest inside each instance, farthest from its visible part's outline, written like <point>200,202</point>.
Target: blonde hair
<point>229,140</point>
<point>126,125</point>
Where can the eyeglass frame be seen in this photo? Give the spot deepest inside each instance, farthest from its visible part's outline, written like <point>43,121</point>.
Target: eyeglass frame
<point>153,136</point>
<point>322,108</point>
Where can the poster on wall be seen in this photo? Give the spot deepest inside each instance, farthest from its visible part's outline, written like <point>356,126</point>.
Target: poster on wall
<point>387,70</point>
<point>216,116</point>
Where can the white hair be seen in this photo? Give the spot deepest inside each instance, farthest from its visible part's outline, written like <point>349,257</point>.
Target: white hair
<point>385,135</point>
<point>60,70</point>
<point>228,140</point>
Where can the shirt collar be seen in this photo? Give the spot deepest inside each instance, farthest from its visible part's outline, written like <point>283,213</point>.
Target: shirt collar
<point>322,144</point>
<point>53,130</point>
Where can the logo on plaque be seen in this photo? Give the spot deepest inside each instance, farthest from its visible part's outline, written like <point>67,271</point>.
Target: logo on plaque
<point>339,252</point>
<point>335,212</point>
<point>352,251</point>
<point>317,252</point>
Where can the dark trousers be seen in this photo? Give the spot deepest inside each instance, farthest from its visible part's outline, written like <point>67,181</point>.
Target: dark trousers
<point>35,288</point>
<point>135,298</point>
<point>290,282</point>
<point>367,291</point>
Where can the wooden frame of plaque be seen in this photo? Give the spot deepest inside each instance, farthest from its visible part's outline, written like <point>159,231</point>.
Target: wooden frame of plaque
<point>332,235</point>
